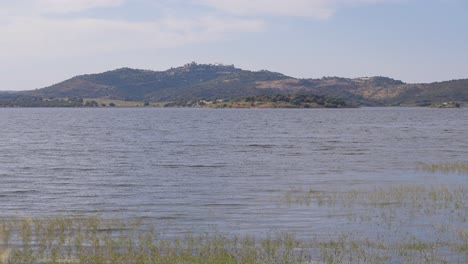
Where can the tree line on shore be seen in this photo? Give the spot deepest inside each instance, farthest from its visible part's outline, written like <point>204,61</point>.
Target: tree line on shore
<point>265,101</point>
<point>50,102</point>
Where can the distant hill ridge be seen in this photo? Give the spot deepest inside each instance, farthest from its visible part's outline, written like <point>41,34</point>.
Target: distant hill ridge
<point>212,81</point>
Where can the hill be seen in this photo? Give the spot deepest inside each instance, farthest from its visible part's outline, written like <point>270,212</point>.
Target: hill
<point>187,82</point>
<point>208,81</point>
<point>8,94</point>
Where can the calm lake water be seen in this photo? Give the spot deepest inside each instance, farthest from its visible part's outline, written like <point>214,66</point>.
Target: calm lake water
<point>225,169</point>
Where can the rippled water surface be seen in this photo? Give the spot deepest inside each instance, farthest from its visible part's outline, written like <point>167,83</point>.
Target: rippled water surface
<point>226,168</point>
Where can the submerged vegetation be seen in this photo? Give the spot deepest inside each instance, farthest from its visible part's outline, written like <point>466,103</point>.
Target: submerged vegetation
<point>95,240</point>
<point>414,197</point>
<point>386,214</point>
<point>399,224</point>
<point>456,167</point>
<point>394,224</point>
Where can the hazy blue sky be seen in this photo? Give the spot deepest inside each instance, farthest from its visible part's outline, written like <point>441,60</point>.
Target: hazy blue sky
<point>47,41</point>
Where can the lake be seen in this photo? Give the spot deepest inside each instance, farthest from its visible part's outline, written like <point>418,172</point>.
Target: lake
<point>223,169</point>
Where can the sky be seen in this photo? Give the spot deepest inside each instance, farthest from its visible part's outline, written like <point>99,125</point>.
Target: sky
<point>43,42</point>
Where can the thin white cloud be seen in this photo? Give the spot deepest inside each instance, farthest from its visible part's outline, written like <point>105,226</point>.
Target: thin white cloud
<point>32,8</point>
<point>304,8</point>
<point>29,29</point>
<point>42,37</point>
<point>67,6</point>
<point>320,9</point>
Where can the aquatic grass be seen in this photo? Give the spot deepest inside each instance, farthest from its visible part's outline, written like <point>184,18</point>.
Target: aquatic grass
<point>463,236</point>
<point>416,197</point>
<point>350,248</point>
<point>386,217</point>
<point>455,167</point>
<point>347,249</point>
<point>95,240</point>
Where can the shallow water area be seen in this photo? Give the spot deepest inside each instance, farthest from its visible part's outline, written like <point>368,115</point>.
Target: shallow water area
<point>223,169</point>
